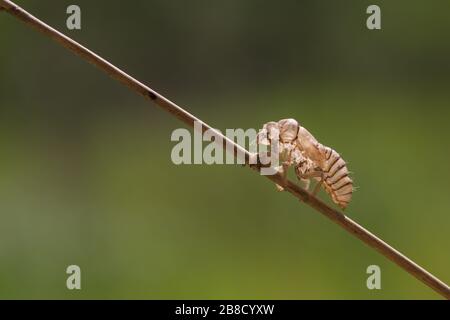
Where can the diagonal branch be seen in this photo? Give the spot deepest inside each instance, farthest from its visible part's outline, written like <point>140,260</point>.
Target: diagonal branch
<point>334,215</point>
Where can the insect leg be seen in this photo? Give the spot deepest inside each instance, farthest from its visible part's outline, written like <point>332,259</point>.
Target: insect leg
<point>286,157</point>
<point>313,174</point>
<point>309,175</point>
<point>306,182</point>
<point>283,170</point>
<point>317,187</point>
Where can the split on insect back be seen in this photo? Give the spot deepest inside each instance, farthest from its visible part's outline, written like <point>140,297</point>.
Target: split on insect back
<point>311,160</point>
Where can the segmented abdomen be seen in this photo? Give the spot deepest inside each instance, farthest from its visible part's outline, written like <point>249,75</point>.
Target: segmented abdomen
<point>337,182</point>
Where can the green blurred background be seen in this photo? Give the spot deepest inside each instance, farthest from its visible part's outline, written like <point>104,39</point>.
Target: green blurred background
<point>85,170</point>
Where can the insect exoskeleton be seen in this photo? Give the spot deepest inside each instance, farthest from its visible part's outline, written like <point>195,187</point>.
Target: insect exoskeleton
<point>311,160</point>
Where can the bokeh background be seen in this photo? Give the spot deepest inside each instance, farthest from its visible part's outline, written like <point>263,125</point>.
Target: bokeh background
<point>85,170</point>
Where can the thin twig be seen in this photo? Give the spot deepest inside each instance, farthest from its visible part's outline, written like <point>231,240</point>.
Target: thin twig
<point>339,218</point>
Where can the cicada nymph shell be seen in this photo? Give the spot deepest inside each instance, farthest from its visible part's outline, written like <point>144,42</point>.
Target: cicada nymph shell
<point>297,147</point>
